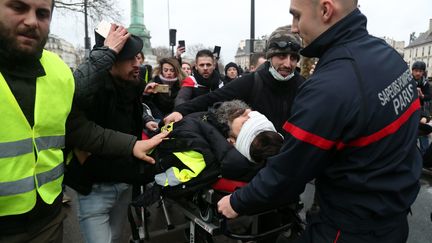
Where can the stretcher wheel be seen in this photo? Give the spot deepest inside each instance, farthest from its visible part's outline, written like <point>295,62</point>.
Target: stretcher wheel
<point>207,213</point>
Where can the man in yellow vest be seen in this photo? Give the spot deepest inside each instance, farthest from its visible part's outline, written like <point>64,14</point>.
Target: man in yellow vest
<point>36,94</point>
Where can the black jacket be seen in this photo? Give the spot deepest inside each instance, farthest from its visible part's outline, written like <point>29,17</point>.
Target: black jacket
<point>353,128</point>
<point>114,105</point>
<point>201,87</point>
<point>161,104</point>
<point>274,98</point>
<point>423,84</point>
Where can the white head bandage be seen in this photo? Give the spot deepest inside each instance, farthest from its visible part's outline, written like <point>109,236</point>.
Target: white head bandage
<point>256,124</point>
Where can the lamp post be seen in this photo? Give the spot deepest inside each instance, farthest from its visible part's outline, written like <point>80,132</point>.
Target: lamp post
<point>86,38</point>
<point>252,30</point>
<point>172,40</point>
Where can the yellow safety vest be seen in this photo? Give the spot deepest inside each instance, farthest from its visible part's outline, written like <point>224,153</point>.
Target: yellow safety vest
<point>173,176</point>
<point>31,160</point>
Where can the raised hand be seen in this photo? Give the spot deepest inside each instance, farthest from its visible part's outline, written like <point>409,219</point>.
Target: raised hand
<point>117,37</point>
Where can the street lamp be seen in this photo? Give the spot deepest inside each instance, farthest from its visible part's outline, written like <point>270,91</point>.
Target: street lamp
<point>172,39</point>
<point>86,38</point>
<point>252,30</point>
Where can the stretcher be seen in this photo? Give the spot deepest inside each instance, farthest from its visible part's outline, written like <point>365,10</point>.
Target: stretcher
<point>203,222</point>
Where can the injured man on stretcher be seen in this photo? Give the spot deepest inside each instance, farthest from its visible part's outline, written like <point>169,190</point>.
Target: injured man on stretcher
<point>229,139</point>
<point>251,139</point>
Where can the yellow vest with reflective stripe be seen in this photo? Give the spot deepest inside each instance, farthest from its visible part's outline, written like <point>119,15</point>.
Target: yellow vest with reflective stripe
<point>31,160</point>
<point>193,160</point>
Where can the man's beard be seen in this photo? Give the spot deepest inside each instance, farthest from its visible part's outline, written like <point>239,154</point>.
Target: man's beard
<point>10,50</point>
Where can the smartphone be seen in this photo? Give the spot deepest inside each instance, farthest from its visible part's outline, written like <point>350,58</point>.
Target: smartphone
<point>216,51</point>
<point>182,43</point>
<point>162,88</point>
<point>103,28</point>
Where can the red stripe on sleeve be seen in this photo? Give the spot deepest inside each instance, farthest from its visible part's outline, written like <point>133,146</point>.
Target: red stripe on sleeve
<point>326,144</point>
<point>389,129</point>
<point>308,137</point>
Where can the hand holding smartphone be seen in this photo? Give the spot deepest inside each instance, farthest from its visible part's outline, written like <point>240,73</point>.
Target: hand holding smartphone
<point>216,51</point>
<point>181,43</point>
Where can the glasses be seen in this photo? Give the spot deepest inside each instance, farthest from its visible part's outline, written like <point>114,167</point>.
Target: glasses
<point>285,44</point>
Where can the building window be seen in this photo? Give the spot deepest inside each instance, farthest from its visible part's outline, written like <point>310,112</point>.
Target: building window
<point>423,51</point>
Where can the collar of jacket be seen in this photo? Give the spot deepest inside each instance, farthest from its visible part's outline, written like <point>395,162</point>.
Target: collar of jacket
<point>118,86</point>
<point>212,82</point>
<point>20,68</point>
<point>351,27</point>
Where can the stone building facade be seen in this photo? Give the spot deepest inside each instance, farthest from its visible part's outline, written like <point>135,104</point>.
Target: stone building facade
<point>420,49</point>
<point>70,55</point>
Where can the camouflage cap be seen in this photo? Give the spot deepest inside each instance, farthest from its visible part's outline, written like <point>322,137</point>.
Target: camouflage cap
<point>283,41</point>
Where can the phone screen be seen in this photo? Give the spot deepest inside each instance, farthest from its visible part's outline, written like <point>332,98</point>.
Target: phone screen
<point>162,88</point>
<point>182,43</point>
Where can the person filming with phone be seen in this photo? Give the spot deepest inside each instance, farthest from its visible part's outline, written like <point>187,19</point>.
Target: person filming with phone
<point>161,92</point>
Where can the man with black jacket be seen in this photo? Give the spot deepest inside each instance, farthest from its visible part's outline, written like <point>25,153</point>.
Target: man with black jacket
<point>205,78</point>
<point>36,92</point>
<point>116,105</point>
<point>353,127</point>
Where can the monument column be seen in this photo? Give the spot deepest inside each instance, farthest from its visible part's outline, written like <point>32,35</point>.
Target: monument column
<point>137,26</point>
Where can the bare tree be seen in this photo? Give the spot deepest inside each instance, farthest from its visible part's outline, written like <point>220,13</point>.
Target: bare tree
<point>192,50</point>
<point>161,52</point>
<point>97,9</point>
<point>412,37</point>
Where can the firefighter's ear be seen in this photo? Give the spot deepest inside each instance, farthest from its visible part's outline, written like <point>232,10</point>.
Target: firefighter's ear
<point>231,140</point>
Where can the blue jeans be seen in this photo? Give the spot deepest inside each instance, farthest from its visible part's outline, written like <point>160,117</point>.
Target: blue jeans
<point>103,213</point>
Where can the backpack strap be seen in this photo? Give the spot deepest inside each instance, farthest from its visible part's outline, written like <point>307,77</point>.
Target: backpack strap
<point>256,88</point>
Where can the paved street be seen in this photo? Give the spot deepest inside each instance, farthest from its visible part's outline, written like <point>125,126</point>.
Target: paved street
<point>420,221</point>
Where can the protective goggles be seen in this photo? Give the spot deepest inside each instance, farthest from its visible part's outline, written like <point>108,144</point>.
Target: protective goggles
<point>284,45</point>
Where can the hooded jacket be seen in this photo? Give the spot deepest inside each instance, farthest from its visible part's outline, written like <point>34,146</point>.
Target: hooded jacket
<point>353,128</point>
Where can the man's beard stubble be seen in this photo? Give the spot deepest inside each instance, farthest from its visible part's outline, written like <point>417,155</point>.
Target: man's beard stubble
<point>10,50</point>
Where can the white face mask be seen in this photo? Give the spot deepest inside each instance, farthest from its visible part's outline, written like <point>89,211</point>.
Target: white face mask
<point>278,76</point>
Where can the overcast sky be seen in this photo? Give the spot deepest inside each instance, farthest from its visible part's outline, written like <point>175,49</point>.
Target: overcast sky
<point>226,22</point>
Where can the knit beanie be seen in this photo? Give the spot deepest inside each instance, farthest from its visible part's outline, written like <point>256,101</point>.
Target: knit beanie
<point>231,64</point>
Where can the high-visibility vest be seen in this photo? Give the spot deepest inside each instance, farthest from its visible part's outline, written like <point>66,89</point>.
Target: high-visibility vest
<point>31,159</point>
<point>192,160</point>
<point>173,176</point>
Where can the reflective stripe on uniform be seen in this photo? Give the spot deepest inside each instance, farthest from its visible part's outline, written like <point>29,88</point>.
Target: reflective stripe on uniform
<point>27,184</point>
<point>51,175</point>
<point>17,187</point>
<point>25,146</point>
<point>44,143</point>
<point>12,149</point>
<point>167,178</point>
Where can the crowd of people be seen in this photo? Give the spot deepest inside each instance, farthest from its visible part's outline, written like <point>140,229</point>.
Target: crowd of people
<point>116,124</point>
